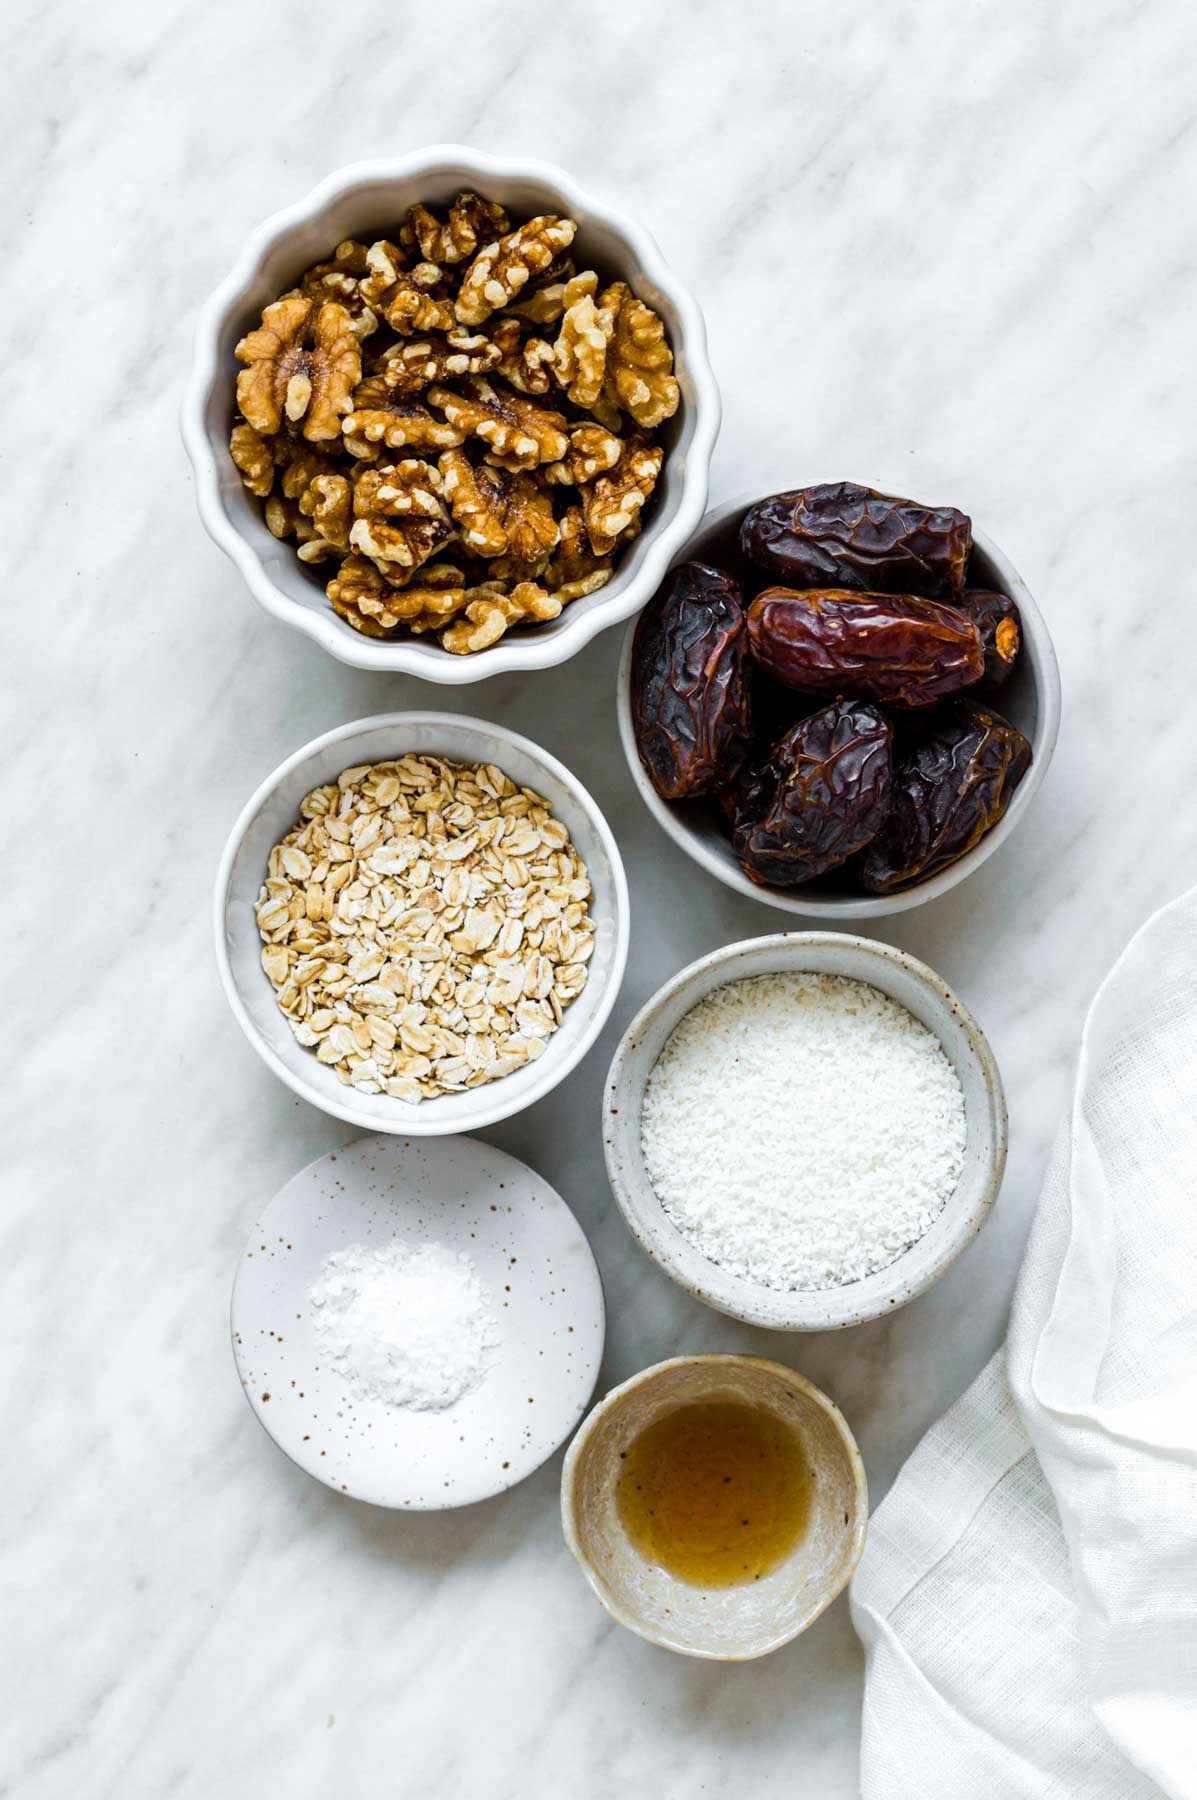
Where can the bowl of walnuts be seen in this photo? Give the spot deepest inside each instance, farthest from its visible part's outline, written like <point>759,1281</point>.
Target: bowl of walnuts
<point>839,702</point>
<point>451,416</point>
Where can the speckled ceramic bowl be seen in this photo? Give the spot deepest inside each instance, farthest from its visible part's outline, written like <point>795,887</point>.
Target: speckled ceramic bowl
<point>1030,698</point>
<point>723,1624</point>
<point>543,1289</point>
<point>932,1002</point>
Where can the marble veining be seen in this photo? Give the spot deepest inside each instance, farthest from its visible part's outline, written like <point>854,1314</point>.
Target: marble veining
<point>941,249</point>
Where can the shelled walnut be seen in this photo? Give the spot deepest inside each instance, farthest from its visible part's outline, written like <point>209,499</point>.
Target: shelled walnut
<point>400,517</point>
<point>612,503</point>
<point>380,416</point>
<point>455,388</point>
<point>302,364</point>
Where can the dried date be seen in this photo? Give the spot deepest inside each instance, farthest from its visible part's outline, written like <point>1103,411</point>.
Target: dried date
<point>893,647</point>
<point>839,535</point>
<point>996,618</point>
<point>691,703</point>
<point>821,796</point>
<point>950,788</point>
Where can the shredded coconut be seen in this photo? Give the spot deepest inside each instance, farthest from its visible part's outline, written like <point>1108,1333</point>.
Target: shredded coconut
<point>410,1324</point>
<point>802,1130</point>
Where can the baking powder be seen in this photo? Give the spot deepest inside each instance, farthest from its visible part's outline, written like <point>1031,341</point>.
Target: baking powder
<point>409,1324</point>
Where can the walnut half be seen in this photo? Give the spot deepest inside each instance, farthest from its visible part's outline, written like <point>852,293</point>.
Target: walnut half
<point>639,374</point>
<point>472,221</point>
<point>518,433</point>
<point>485,620</point>
<point>400,519</point>
<point>302,363</point>
<point>380,416</point>
<point>498,272</point>
<point>612,503</point>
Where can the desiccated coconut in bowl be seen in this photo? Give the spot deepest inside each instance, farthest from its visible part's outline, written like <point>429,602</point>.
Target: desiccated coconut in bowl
<point>758,1145</point>
<point>804,1130</point>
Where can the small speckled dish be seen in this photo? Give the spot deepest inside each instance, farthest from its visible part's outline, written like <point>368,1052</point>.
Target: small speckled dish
<point>544,1288</point>
<point>921,991</point>
<point>728,1624</point>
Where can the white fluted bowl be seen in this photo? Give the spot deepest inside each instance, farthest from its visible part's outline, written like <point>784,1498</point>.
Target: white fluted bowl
<point>367,197</point>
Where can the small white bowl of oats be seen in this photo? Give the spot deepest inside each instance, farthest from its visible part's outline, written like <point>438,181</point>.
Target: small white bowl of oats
<point>449,414</point>
<point>421,922</point>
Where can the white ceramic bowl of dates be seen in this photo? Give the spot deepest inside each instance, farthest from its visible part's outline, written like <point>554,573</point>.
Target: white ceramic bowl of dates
<point>1024,696</point>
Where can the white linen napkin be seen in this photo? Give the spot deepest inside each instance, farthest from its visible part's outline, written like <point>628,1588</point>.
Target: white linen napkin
<point>1028,1595</point>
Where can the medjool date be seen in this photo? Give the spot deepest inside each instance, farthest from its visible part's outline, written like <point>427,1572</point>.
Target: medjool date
<point>996,618</point>
<point>896,648</point>
<point>950,788</point>
<point>819,798</point>
<point>691,703</point>
<point>839,535</point>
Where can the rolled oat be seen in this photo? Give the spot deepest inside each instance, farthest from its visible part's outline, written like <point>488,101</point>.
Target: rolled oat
<point>425,925</point>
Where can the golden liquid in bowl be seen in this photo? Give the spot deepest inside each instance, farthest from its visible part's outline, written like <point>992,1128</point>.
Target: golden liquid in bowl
<point>718,1493</point>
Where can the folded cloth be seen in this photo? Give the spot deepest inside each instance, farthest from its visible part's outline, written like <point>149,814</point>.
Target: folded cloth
<point>1028,1595</point>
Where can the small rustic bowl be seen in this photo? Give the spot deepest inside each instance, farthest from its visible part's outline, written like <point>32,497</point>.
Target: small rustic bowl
<point>933,1004</point>
<point>723,1624</point>
<point>364,198</point>
<point>274,809</point>
<point>1030,699</point>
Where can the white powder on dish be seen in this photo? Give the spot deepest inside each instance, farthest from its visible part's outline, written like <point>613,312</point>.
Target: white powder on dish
<point>802,1130</point>
<point>409,1324</point>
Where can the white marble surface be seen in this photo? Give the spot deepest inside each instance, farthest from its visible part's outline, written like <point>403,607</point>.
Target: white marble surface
<point>942,249</point>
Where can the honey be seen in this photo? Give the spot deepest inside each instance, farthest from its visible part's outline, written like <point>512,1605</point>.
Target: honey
<point>717,1493</point>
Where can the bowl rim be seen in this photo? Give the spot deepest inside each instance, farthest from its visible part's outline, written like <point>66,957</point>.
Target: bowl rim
<point>513,652</point>
<point>804,1309</point>
<point>1041,658</point>
<point>616,1397</point>
<point>408,1122</point>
